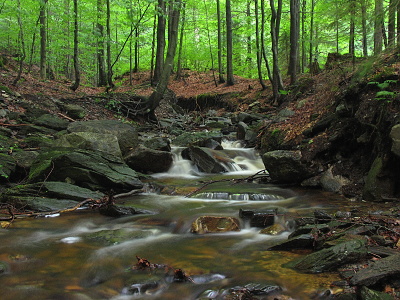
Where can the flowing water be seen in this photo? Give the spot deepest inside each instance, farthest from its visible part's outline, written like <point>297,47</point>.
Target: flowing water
<point>84,255</point>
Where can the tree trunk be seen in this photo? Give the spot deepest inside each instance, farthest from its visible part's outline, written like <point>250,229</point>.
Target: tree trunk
<point>294,39</point>
<point>303,35</point>
<point>156,96</point>
<point>310,58</point>
<point>263,51</point>
<point>22,41</point>
<point>43,39</point>
<point>249,36</point>
<point>378,26</point>
<point>221,78</point>
<point>102,76</point>
<point>109,66</point>
<point>179,65</point>
<point>258,47</point>
<point>392,22</point>
<point>277,84</point>
<point>352,11</point>
<point>364,27</point>
<point>77,81</point>
<point>160,41</point>
<point>229,45</point>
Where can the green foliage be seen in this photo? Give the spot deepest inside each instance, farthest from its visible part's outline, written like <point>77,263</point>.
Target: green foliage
<point>384,93</point>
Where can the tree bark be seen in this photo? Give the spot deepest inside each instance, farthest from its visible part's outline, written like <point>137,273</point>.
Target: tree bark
<point>364,27</point>
<point>156,96</point>
<point>102,76</point>
<point>179,65</point>
<point>392,22</point>
<point>221,78</point>
<point>258,47</point>
<point>77,81</point>
<point>378,26</point>
<point>108,48</point>
<point>22,41</point>
<point>352,11</point>
<point>43,39</point>
<point>229,45</point>
<point>277,83</point>
<point>294,39</point>
<point>160,39</point>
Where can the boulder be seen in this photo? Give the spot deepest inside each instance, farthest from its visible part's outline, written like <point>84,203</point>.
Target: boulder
<point>93,170</point>
<point>126,134</point>
<point>287,166</point>
<point>376,186</point>
<point>8,165</point>
<point>52,122</point>
<point>158,143</point>
<point>395,136</point>
<point>333,183</point>
<point>380,270</point>
<point>147,160</point>
<point>207,160</point>
<point>208,224</point>
<point>332,258</point>
<point>73,110</point>
<point>103,142</point>
<point>200,139</point>
<point>48,196</point>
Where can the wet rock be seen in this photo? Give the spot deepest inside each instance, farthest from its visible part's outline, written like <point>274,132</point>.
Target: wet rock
<point>380,270</point>
<point>332,258</point>
<point>260,219</point>
<point>148,160</point>
<point>333,183</point>
<point>126,134</point>
<point>48,196</point>
<point>210,224</point>
<point>200,139</point>
<point>207,160</point>
<point>147,288</point>
<point>322,217</point>
<point>107,143</point>
<point>158,143</point>
<point>287,166</point>
<point>112,237</point>
<point>303,241</point>
<point>322,228</point>
<point>249,291</point>
<point>368,294</point>
<point>273,229</point>
<point>93,170</point>
<point>117,211</point>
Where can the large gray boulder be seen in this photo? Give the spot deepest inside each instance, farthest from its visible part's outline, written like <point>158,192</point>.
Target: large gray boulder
<point>48,196</point>
<point>126,134</point>
<point>207,160</point>
<point>147,160</point>
<point>93,170</point>
<point>395,136</point>
<point>51,121</point>
<point>287,166</point>
<point>104,142</point>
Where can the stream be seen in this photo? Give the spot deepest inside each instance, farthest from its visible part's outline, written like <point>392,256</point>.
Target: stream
<point>85,255</point>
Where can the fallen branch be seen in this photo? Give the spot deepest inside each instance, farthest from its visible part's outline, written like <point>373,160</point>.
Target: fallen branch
<point>66,117</point>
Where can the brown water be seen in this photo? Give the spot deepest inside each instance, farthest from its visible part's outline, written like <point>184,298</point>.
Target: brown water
<point>58,258</point>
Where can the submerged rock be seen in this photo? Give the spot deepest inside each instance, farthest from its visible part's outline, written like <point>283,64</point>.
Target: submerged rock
<point>209,224</point>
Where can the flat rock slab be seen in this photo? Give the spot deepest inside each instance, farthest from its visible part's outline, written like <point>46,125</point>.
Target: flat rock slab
<point>381,269</point>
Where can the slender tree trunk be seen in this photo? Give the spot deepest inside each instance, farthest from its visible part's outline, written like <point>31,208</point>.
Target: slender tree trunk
<point>294,39</point>
<point>77,81</point>
<point>264,54</point>
<point>378,26</point>
<point>136,65</point>
<point>229,45</point>
<point>352,10</point>
<point>221,78</point>
<point>153,46</point>
<point>160,41</point>
<point>277,84</point>
<point>43,39</point>
<point>156,96</point>
<point>392,22</point>
<point>310,62</point>
<point>398,22</point>
<point>102,76</point>
<point>364,27</point>
<point>181,36</point>
<point>108,48</point>
<point>303,35</point>
<point>22,46</point>
<point>258,47</point>
<point>249,47</point>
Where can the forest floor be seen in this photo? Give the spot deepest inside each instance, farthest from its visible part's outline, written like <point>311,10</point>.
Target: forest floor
<point>41,93</point>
